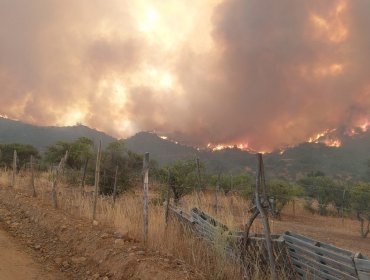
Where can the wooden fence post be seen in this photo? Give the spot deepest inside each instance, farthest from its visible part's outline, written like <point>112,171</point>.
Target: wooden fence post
<point>146,189</point>
<point>32,177</point>
<point>343,197</point>
<point>55,180</point>
<point>266,227</point>
<point>216,193</point>
<point>84,176</point>
<point>14,172</point>
<point>231,182</point>
<point>115,185</point>
<point>168,197</point>
<point>97,178</point>
<point>199,181</point>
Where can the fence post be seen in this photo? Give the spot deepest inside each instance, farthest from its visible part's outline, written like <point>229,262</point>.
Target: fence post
<point>266,227</point>
<point>344,193</point>
<point>55,180</point>
<point>216,193</point>
<point>32,177</point>
<point>146,189</point>
<point>168,197</point>
<point>84,176</point>
<point>97,178</point>
<point>231,182</point>
<point>115,185</point>
<point>199,181</point>
<point>14,168</point>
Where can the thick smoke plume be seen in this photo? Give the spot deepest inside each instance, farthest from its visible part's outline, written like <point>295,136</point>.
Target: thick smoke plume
<point>260,72</point>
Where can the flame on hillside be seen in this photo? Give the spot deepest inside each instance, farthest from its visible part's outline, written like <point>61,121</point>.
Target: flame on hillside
<point>326,138</point>
<point>168,139</point>
<point>351,132</point>
<point>365,126</point>
<point>360,128</point>
<point>219,147</point>
<point>4,116</point>
<point>333,143</point>
<point>319,136</point>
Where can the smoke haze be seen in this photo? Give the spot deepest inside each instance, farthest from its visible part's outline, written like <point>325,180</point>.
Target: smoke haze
<point>262,73</point>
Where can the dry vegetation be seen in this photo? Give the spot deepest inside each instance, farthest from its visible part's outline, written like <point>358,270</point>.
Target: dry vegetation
<point>127,216</point>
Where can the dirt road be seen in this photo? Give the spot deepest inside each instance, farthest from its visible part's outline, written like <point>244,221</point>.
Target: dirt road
<point>39,242</point>
<point>16,264</point>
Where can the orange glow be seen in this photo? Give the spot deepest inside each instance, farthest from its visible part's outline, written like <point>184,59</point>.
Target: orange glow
<point>332,26</point>
<point>318,138</point>
<point>168,139</point>
<point>351,132</point>
<point>219,147</point>
<point>315,139</point>
<point>333,143</point>
<point>365,126</point>
<point>320,22</point>
<point>331,70</point>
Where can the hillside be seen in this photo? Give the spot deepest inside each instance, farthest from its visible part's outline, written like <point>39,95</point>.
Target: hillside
<point>348,161</point>
<point>39,136</point>
<point>162,150</point>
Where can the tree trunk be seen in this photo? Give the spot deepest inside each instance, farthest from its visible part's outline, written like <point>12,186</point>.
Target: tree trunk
<point>364,233</point>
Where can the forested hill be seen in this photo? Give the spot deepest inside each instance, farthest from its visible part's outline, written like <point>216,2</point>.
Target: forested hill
<point>43,136</point>
<point>351,160</point>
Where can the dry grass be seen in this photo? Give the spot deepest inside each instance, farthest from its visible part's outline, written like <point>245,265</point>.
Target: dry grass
<point>127,216</point>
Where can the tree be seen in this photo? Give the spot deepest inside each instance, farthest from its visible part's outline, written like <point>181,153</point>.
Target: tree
<point>360,201</point>
<point>319,187</point>
<point>340,197</point>
<point>79,151</point>
<point>183,177</point>
<point>281,192</point>
<point>129,165</point>
<point>24,153</point>
<point>55,152</point>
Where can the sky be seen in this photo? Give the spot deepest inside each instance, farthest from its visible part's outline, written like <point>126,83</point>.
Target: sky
<point>262,74</point>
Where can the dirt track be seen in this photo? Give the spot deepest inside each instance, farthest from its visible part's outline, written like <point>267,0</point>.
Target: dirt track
<point>61,246</point>
<point>16,264</point>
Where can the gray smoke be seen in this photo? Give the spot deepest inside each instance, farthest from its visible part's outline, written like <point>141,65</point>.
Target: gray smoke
<point>278,72</point>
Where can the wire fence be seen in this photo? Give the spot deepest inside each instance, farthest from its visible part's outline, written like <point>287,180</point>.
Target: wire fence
<point>339,197</point>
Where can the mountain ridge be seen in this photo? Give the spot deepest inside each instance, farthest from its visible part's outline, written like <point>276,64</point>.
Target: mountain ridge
<point>351,160</point>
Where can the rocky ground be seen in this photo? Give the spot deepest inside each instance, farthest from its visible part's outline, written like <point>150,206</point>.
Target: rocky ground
<point>61,246</point>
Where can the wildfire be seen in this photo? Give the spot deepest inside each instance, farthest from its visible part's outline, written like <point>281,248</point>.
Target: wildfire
<point>361,127</point>
<point>324,137</point>
<point>351,132</point>
<point>168,139</point>
<point>316,138</point>
<point>365,126</point>
<point>4,116</point>
<point>219,147</point>
<point>333,143</point>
